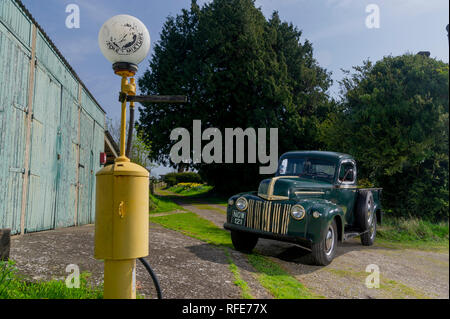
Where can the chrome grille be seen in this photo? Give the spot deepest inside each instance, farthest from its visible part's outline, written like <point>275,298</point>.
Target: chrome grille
<point>268,216</point>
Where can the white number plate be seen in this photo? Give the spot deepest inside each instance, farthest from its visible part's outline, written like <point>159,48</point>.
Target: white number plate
<point>237,217</point>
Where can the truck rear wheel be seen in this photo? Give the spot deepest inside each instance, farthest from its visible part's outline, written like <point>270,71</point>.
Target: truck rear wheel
<point>368,237</point>
<point>365,210</point>
<point>324,251</point>
<point>243,242</point>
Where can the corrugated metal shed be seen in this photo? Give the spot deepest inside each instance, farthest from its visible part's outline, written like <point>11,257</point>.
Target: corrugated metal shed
<point>51,131</point>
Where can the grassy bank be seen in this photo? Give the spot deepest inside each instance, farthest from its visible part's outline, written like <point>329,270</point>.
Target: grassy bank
<point>190,189</point>
<point>270,274</point>
<point>192,225</point>
<point>196,192</point>
<point>413,233</point>
<point>160,204</point>
<point>15,286</point>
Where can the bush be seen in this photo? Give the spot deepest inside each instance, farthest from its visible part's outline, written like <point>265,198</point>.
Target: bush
<point>172,179</point>
<point>393,119</point>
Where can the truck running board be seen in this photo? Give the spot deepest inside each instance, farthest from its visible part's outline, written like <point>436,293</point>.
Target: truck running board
<point>349,235</point>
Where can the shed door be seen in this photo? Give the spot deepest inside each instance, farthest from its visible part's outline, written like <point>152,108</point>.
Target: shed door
<point>43,160</point>
<point>67,163</point>
<point>85,172</point>
<point>14,66</point>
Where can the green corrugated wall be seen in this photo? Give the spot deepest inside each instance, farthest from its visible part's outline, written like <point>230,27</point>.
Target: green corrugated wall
<point>48,158</point>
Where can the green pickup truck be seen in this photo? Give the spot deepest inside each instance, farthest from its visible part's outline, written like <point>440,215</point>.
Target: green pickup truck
<point>313,201</point>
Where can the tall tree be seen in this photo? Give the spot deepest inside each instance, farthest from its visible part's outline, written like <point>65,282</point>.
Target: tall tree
<point>394,119</point>
<point>238,69</point>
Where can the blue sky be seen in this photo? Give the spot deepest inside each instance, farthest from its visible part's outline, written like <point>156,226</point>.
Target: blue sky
<point>336,28</point>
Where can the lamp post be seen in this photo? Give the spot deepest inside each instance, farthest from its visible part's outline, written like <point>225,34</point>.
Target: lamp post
<point>124,41</point>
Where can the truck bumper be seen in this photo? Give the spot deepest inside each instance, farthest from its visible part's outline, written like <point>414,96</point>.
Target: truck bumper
<point>263,234</point>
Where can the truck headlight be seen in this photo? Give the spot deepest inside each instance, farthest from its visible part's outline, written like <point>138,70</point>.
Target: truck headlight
<point>298,212</point>
<point>241,203</point>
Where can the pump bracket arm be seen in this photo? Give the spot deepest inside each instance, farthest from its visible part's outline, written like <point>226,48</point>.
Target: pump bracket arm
<point>153,98</point>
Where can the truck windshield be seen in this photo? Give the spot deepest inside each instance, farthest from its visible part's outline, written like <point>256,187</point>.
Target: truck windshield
<point>307,168</point>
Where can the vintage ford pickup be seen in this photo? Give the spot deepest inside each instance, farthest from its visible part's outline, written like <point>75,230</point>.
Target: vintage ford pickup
<point>313,201</point>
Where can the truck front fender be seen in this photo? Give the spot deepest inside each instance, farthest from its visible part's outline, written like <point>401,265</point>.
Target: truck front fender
<point>317,223</point>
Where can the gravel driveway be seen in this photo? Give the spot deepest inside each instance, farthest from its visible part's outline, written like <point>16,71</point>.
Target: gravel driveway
<point>404,273</point>
<point>189,268</point>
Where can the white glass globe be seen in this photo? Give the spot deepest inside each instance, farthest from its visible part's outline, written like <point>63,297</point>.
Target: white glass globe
<point>124,38</point>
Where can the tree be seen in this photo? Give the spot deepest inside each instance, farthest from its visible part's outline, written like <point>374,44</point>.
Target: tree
<point>238,69</point>
<point>139,152</point>
<point>394,119</point>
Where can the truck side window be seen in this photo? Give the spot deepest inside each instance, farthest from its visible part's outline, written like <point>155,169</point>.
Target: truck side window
<point>345,167</point>
<point>283,166</point>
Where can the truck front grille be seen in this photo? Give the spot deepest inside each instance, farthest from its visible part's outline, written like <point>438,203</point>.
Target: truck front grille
<point>268,216</point>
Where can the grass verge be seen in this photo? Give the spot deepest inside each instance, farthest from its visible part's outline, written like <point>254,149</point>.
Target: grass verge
<point>192,225</point>
<point>209,207</point>
<point>238,281</point>
<point>160,204</point>
<point>207,195</point>
<point>15,286</point>
<point>270,275</point>
<point>413,233</point>
<point>277,281</point>
<point>190,189</point>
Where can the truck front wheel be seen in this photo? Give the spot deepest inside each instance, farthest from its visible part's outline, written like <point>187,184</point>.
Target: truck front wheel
<point>324,251</point>
<point>243,242</point>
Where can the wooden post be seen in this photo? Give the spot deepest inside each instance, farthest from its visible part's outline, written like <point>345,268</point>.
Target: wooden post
<point>5,244</point>
<point>28,131</point>
<point>152,186</point>
<point>77,187</point>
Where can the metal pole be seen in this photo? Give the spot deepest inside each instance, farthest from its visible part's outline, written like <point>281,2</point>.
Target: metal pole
<point>120,279</point>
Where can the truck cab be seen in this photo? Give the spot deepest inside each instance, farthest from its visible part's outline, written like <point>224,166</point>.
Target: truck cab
<point>313,200</point>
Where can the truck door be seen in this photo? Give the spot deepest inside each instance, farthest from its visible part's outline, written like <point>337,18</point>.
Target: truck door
<point>347,188</point>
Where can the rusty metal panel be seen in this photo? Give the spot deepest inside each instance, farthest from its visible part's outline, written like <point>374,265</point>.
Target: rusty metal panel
<point>14,64</point>
<point>40,214</point>
<point>16,21</point>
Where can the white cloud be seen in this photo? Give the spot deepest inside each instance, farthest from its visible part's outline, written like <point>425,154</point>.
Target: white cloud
<point>339,3</point>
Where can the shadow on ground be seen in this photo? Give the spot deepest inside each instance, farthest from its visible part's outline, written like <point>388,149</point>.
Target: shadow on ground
<point>286,252</point>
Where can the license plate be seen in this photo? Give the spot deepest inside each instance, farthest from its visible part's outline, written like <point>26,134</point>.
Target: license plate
<point>237,218</point>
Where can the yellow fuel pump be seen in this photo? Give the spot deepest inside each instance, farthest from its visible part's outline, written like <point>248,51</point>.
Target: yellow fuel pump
<point>121,220</point>
<point>122,189</point>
